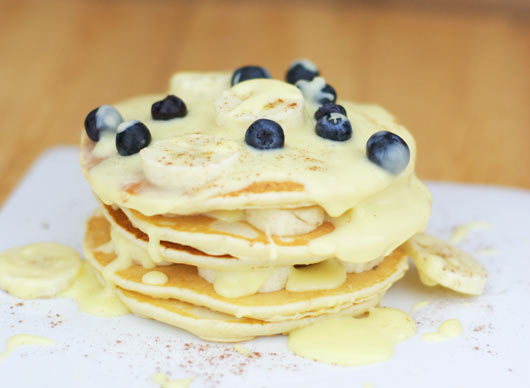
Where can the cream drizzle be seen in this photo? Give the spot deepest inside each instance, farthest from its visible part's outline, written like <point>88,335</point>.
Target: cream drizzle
<point>155,278</point>
<point>460,232</point>
<point>326,275</point>
<point>420,305</point>
<point>164,382</point>
<point>125,248</point>
<point>234,284</point>
<point>24,339</point>
<point>447,330</point>
<point>92,297</point>
<point>343,340</point>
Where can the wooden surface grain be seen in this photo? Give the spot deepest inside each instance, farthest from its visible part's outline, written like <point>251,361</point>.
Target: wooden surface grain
<point>458,78</point>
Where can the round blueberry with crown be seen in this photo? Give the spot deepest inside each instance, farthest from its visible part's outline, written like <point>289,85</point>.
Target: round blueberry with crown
<point>317,91</point>
<point>169,108</point>
<point>132,136</point>
<point>248,72</point>
<point>389,151</point>
<point>301,69</point>
<point>334,126</point>
<point>103,118</point>
<point>329,108</point>
<point>265,134</point>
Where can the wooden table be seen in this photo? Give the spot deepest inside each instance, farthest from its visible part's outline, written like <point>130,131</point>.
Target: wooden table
<point>459,79</point>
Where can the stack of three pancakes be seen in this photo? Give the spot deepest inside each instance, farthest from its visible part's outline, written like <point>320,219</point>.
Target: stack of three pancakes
<point>239,258</point>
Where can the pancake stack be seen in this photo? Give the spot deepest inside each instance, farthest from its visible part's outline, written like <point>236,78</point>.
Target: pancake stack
<point>231,209</point>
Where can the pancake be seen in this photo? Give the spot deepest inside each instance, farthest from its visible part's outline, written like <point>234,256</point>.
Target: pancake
<point>213,326</point>
<point>186,285</point>
<point>198,230</point>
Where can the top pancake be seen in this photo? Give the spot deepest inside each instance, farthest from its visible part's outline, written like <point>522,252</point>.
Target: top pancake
<point>308,170</point>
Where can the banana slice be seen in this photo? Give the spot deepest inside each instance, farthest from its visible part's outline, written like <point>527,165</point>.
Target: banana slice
<point>439,263</point>
<point>361,267</point>
<point>260,98</point>
<point>200,84</point>
<point>38,270</point>
<point>282,222</point>
<point>188,161</point>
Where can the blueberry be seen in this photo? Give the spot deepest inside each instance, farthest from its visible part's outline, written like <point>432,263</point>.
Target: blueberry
<point>389,151</point>
<point>329,108</point>
<point>334,126</point>
<point>132,136</point>
<point>328,94</point>
<point>168,108</point>
<point>265,134</point>
<point>248,72</point>
<point>301,69</point>
<point>103,118</point>
<point>317,91</point>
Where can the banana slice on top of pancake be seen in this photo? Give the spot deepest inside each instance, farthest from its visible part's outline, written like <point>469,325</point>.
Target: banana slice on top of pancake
<point>260,98</point>
<point>197,85</point>
<point>38,270</point>
<point>188,161</point>
<point>286,222</point>
<point>440,263</point>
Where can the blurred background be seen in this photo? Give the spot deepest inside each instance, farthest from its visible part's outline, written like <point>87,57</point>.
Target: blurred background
<point>456,73</point>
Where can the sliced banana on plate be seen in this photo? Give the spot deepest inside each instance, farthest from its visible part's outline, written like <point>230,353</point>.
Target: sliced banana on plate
<point>260,98</point>
<point>38,270</point>
<point>440,263</point>
<point>188,161</point>
<point>286,222</point>
<point>199,84</point>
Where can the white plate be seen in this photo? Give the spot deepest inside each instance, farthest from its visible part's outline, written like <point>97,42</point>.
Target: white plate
<point>53,201</point>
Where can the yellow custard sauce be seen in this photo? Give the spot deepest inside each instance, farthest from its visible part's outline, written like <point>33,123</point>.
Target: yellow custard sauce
<point>94,298</point>
<point>460,232</point>
<point>325,275</point>
<point>448,329</point>
<point>154,278</point>
<point>420,305</point>
<point>23,340</point>
<point>234,284</point>
<point>353,341</point>
<point>163,381</point>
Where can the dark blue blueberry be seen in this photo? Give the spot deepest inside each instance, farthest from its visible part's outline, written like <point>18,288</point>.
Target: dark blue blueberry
<point>302,69</point>
<point>334,126</point>
<point>389,151</point>
<point>103,118</point>
<point>329,108</point>
<point>248,72</point>
<point>265,134</point>
<point>132,136</point>
<point>317,91</point>
<point>328,95</point>
<point>168,108</point>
